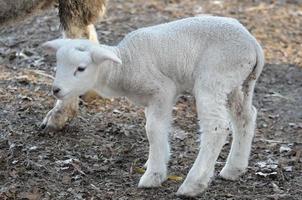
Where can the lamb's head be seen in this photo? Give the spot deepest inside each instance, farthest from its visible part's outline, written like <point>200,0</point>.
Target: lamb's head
<point>78,65</point>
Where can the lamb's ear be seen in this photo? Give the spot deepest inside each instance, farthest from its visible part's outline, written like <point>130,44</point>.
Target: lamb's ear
<point>99,55</point>
<point>53,45</point>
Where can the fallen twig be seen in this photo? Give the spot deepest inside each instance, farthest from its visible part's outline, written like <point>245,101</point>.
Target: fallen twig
<point>277,141</point>
<point>42,73</point>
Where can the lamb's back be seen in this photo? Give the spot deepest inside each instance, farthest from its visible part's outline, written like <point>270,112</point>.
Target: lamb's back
<point>176,49</point>
<point>197,29</point>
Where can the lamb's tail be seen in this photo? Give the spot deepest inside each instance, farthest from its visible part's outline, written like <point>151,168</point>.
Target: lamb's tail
<point>259,62</point>
<point>249,83</point>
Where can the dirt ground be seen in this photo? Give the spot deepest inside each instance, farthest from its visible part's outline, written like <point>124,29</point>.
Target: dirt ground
<point>99,155</point>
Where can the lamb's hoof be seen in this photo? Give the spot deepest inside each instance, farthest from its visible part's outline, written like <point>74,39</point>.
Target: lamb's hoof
<point>191,189</point>
<point>54,120</point>
<point>152,179</point>
<point>231,173</point>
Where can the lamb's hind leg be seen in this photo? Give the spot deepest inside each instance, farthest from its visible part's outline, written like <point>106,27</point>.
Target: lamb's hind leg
<point>243,117</point>
<point>214,123</point>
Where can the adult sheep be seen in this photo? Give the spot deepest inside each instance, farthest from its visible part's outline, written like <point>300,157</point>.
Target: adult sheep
<point>77,18</point>
<point>214,58</point>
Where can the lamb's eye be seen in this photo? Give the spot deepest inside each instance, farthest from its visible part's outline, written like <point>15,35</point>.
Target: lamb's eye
<point>81,69</point>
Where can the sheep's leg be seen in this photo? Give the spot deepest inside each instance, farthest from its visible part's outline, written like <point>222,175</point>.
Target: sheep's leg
<point>212,113</point>
<point>243,116</point>
<point>158,120</point>
<point>63,111</point>
<point>92,34</point>
<point>77,19</point>
<point>87,32</point>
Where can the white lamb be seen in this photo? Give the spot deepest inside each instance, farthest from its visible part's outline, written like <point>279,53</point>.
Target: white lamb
<point>214,58</point>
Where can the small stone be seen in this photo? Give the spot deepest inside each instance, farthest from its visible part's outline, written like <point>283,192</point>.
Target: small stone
<point>284,148</point>
<point>261,164</point>
<point>116,111</point>
<point>272,166</point>
<point>288,168</point>
<point>264,125</point>
<point>180,134</point>
<point>276,188</point>
<point>33,148</point>
<point>271,175</point>
<point>15,162</point>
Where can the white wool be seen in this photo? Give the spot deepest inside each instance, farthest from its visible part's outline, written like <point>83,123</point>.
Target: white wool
<point>214,58</point>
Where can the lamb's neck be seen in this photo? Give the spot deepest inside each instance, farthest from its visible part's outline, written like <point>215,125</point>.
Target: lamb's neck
<point>111,76</point>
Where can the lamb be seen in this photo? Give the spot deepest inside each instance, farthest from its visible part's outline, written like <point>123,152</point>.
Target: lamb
<point>214,58</point>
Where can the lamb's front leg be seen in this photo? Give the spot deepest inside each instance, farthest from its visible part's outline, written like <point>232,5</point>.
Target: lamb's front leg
<point>63,111</point>
<point>158,117</point>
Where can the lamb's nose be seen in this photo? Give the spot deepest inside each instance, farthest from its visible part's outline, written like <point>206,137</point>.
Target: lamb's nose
<point>56,90</point>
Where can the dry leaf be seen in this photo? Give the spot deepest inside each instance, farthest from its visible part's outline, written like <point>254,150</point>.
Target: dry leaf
<point>175,178</point>
<point>66,179</point>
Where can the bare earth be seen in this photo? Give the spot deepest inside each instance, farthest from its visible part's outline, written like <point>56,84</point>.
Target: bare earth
<point>100,154</point>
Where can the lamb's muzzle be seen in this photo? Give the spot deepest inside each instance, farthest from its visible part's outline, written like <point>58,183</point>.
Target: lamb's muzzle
<point>214,58</point>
